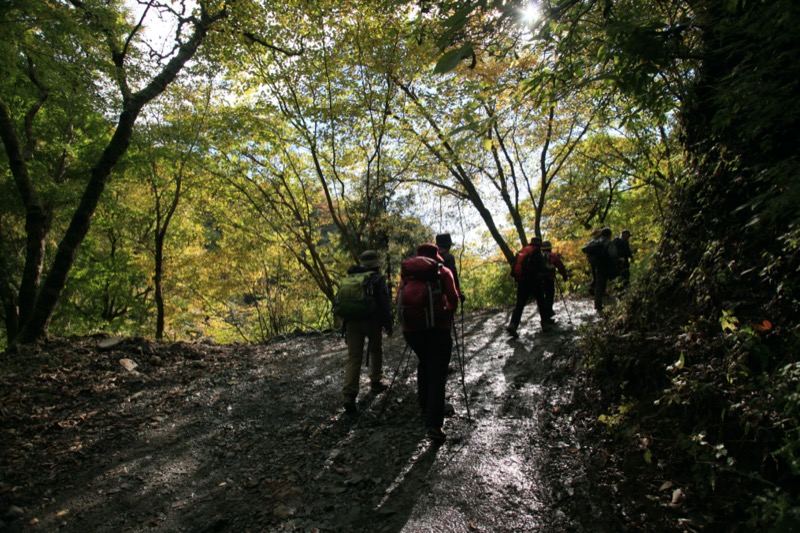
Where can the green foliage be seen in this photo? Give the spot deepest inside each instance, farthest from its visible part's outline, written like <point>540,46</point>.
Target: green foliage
<point>786,390</point>
<point>452,58</point>
<point>487,284</point>
<point>617,418</point>
<point>775,510</point>
<point>718,303</point>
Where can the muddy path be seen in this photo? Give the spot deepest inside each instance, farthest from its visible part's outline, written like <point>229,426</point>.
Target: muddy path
<point>201,437</point>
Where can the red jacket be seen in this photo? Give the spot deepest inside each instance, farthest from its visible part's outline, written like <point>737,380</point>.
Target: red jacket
<point>555,260</point>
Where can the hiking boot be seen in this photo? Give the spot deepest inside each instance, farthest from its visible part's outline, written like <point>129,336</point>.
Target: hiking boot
<point>548,321</point>
<point>449,410</point>
<point>436,435</point>
<point>349,404</point>
<point>512,331</point>
<point>378,387</point>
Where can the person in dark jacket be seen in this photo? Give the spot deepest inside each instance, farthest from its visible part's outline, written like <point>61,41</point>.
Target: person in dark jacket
<point>595,236</point>
<point>603,265</point>
<point>625,254</point>
<point>444,242</point>
<point>554,266</point>
<point>531,285</point>
<point>357,330</point>
<point>433,347</point>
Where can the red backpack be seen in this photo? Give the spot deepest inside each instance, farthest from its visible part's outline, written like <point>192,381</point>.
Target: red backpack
<point>421,303</point>
<point>522,265</point>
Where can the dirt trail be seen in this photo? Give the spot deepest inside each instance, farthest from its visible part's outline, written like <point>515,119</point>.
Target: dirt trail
<point>203,437</point>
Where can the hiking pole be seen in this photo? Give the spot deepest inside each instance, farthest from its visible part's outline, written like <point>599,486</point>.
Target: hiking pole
<point>405,355</point>
<point>463,365</point>
<point>564,301</point>
<point>460,355</point>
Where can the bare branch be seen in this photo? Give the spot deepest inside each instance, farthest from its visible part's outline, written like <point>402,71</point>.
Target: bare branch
<point>258,40</point>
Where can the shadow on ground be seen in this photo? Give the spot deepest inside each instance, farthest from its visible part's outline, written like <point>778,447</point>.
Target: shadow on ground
<point>201,437</point>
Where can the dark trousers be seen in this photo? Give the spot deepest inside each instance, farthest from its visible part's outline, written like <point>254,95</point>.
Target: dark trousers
<point>625,273</point>
<point>526,289</point>
<point>549,297</point>
<point>433,348</point>
<point>600,285</point>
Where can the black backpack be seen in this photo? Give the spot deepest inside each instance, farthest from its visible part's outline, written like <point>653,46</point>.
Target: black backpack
<point>610,260</point>
<point>603,256</point>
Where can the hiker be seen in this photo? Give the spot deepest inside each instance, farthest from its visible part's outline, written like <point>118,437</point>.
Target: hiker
<point>623,248</point>
<point>379,317</point>
<point>595,237</point>
<point>528,271</point>
<point>426,301</point>
<point>601,255</point>
<point>553,266</point>
<point>444,243</point>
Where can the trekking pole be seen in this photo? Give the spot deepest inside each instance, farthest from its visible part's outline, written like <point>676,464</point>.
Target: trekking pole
<point>405,355</point>
<point>564,301</point>
<point>460,355</point>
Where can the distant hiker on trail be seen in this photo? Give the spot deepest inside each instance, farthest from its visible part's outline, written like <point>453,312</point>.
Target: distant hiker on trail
<point>528,271</point>
<point>363,302</point>
<point>444,243</point>
<point>595,237</point>
<point>553,266</point>
<point>602,255</point>
<point>426,300</point>
<point>625,255</point>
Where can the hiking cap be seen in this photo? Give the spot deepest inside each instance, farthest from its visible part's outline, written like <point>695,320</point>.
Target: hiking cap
<point>626,231</point>
<point>547,245</point>
<point>429,250</point>
<point>443,240</point>
<point>606,232</point>
<point>370,259</point>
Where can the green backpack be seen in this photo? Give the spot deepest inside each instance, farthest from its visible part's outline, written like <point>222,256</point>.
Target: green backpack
<point>355,300</point>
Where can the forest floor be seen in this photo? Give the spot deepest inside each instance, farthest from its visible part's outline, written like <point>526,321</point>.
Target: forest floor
<point>203,437</point>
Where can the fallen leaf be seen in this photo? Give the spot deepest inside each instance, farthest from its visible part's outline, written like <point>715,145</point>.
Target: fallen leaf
<point>763,326</point>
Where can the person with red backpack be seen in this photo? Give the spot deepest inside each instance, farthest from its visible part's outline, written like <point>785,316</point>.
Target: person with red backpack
<point>364,304</point>
<point>426,301</point>
<point>529,271</point>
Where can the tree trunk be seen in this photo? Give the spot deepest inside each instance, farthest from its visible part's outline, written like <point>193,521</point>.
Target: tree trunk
<point>35,226</point>
<point>157,281</point>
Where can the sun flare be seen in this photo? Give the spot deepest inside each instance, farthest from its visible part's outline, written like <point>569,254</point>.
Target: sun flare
<point>531,13</point>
